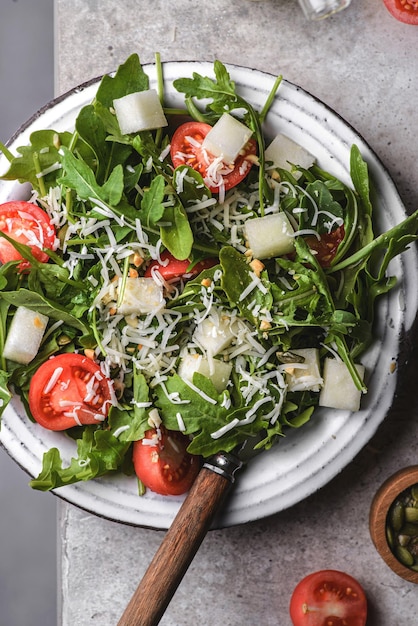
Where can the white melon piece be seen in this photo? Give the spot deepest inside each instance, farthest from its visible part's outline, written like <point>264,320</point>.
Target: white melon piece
<point>139,111</point>
<point>227,138</point>
<point>339,390</point>
<point>217,371</point>
<point>141,295</point>
<point>25,335</point>
<point>284,151</point>
<point>270,236</point>
<point>304,376</point>
<point>213,334</point>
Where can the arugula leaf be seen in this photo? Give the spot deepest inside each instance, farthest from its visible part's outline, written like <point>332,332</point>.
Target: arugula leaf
<point>45,146</point>
<point>237,276</point>
<point>221,91</point>
<point>36,302</point>
<point>129,78</point>
<point>152,207</point>
<point>201,416</point>
<point>99,452</point>
<point>360,176</point>
<point>176,233</point>
<point>5,394</point>
<point>133,420</point>
<point>80,177</point>
<point>395,240</point>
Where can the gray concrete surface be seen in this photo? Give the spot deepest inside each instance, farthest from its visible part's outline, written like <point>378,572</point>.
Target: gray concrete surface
<point>27,518</point>
<point>361,63</point>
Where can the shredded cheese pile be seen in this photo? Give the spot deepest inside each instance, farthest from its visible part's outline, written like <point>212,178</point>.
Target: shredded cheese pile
<point>151,342</point>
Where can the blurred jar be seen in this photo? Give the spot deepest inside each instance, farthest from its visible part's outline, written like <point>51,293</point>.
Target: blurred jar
<point>318,9</point>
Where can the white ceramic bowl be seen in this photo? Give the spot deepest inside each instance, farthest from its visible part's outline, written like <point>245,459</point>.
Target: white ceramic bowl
<point>309,457</point>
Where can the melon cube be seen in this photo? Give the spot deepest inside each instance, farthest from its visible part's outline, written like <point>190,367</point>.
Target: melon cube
<point>339,390</point>
<point>214,334</point>
<point>304,376</point>
<point>141,295</point>
<point>227,138</point>
<point>269,236</point>
<point>139,111</point>
<point>25,335</point>
<point>284,151</point>
<point>217,371</point>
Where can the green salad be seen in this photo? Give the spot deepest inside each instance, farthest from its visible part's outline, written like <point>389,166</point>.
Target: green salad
<point>189,276</point>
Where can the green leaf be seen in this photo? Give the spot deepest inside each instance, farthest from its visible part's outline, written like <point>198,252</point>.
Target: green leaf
<point>93,124</point>
<point>129,78</point>
<point>360,176</point>
<point>221,90</point>
<point>404,233</point>
<point>133,421</point>
<point>5,394</point>
<point>99,452</point>
<point>152,208</point>
<point>202,416</point>
<point>45,145</point>
<point>322,208</point>
<point>176,233</point>
<point>80,177</point>
<point>237,276</point>
<point>36,302</point>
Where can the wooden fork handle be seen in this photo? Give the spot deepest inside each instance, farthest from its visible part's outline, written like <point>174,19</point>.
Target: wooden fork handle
<point>181,542</point>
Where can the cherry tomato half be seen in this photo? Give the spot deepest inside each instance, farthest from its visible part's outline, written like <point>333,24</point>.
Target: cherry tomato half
<point>69,390</point>
<point>326,247</point>
<point>26,223</point>
<point>172,269</point>
<point>186,149</point>
<point>404,10</point>
<point>162,463</point>
<point>328,598</point>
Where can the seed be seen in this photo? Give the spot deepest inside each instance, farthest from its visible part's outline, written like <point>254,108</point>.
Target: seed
<point>404,556</point>
<point>403,540</point>
<point>63,340</point>
<point>390,537</point>
<point>397,516</point>
<point>411,514</point>
<point>409,529</point>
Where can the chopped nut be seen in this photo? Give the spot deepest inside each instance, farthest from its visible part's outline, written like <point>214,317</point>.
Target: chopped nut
<point>265,325</point>
<point>137,259</point>
<point>257,266</point>
<point>206,282</point>
<point>253,158</point>
<point>89,353</point>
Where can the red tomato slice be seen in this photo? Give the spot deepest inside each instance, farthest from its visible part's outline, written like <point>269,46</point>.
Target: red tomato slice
<point>326,247</point>
<point>163,464</point>
<point>328,598</point>
<point>186,149</point>
<point>172,269</point>
<point>69,390</point>
<point>28,224</point>
<point>404,10</point>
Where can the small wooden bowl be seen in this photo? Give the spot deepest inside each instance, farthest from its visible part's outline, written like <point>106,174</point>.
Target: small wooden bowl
<point>385,496</point>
